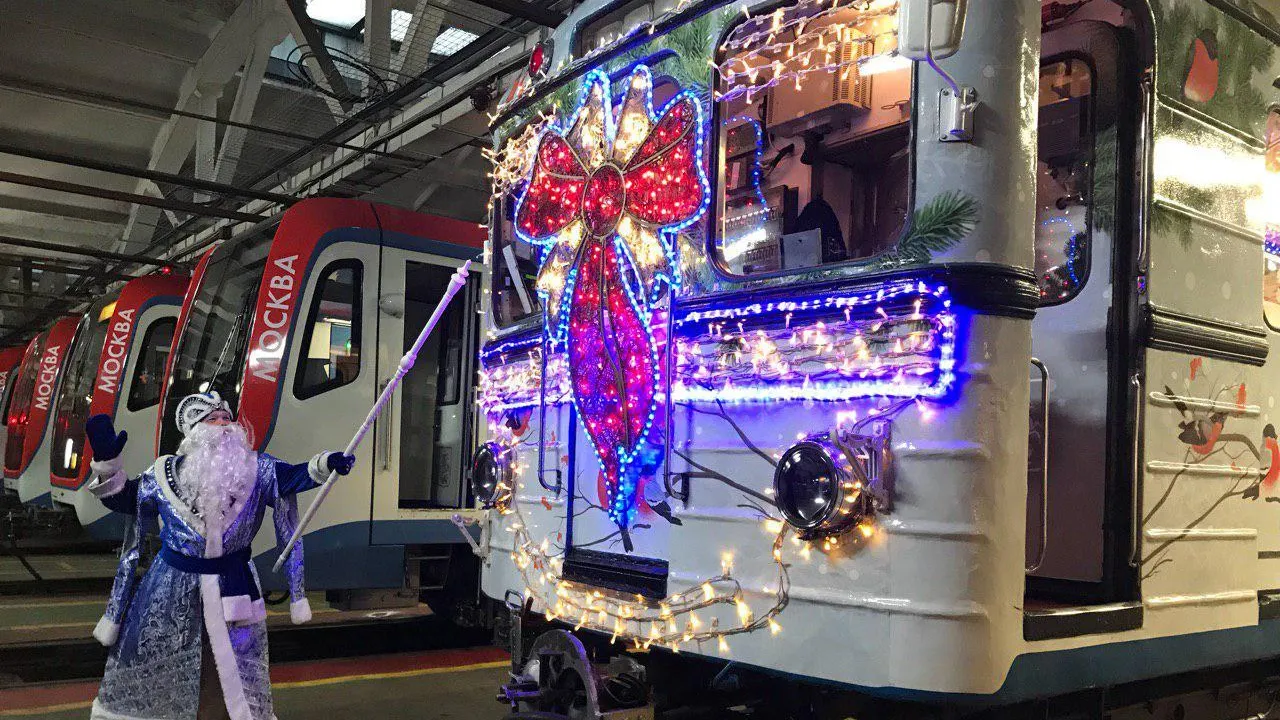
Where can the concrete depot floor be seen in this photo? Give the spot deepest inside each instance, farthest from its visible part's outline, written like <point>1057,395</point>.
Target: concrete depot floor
<point>444,684</point>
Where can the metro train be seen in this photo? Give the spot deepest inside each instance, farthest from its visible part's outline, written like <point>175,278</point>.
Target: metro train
<point>27,441</point>
<point>887,359</point>
<point>116,367</point>
<point>299,324</point>
<point>10,358</point>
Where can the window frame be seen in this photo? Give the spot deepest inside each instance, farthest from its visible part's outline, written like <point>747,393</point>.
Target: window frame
<point>301,391</point>
<point>147,337</point>
<point>1087,61</point>
<point>499,269</point>
<point>1272,109</point>
<point>715,154</point>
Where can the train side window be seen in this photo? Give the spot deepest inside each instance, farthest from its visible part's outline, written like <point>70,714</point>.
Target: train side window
<point>1064,180</point>
<point>330,356</point>
<point>148,369</point>
<point>814,140</point>
<point>1271,248</point>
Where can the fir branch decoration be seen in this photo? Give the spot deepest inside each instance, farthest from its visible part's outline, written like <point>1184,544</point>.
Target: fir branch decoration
<point>938,226</point>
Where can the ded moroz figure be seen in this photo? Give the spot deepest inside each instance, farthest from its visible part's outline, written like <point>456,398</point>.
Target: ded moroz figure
<point>189,639</point>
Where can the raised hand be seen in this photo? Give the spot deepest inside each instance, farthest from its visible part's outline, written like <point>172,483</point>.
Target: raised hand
<point>103,439</point>
<point>340,462</point>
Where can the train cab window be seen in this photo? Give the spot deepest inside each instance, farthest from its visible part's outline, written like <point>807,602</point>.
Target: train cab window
<point>1271,267</point>
<point>814,140</point>
<point>75,393</point>
<point>148,369</point>
<point>515,265</point>
<point>331,341</point>
<point>20,402</point>
<point>1064,180</point>
<point>210,352</point>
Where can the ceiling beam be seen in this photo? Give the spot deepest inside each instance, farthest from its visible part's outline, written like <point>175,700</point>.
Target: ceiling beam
<point>128,197</point>
<point>176,139</point>
<point>153,175</point>
<point>525,11</point>
<point>255,69</point>
<point>424,27</point>
<point>318,61</point>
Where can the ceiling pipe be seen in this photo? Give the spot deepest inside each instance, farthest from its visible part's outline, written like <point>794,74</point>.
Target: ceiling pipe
<point>161,112</point>
<point>128,197</point>
<point>89,252</point>
<point>58,268</point>
<point>146,174</point>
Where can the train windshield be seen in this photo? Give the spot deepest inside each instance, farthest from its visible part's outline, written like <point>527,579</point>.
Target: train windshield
<point>20,402</point>
<point>76,391</point>
<point>211,347</point>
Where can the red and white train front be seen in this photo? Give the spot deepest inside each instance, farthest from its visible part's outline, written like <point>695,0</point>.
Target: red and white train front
<point>116,368</point>
<point>26,445</point>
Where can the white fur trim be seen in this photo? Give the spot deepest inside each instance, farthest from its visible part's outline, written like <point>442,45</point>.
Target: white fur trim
<point>318,469</point>
<point>300,611</point>
<point>224,656</point>
<point>106,632</point>
<point>101,713</point>
<point>106,484</point>
<point>240,610</point>
<point>180,508</point>
<point>107,467</point>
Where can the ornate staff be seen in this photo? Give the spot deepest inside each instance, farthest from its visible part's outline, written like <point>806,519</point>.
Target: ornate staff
<point>455,284</point>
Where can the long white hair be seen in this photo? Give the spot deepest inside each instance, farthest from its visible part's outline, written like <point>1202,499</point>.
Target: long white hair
<point>218,472</point>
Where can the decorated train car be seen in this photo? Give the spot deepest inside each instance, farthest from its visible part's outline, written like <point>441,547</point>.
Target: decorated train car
<point>298,325</point>
<point>27,441</point>
<point>10,359</point>
<point>854,355</point>
<point>116,368</point>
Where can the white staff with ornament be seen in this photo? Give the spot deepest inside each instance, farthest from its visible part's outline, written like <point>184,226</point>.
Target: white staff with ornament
<point>406,363</point>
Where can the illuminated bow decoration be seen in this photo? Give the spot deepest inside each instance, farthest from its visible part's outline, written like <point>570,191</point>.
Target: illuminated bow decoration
<point>605,199</point>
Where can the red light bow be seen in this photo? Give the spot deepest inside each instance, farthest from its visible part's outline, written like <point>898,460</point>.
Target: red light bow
<point>646,169</point>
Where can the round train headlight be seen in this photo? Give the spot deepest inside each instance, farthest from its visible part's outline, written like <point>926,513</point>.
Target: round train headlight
<point>819,490</point>
<point>491,474</point>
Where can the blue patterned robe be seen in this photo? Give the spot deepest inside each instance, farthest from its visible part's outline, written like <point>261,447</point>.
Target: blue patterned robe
<point>155,625</point>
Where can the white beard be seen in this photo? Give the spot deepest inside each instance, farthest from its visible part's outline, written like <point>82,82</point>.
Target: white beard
<point>217,474</point>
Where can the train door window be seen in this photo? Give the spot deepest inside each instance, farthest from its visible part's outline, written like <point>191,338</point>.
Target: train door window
<point>75,393</point>
<point>148,369</point>
<point>330,355</point>
<point>1271,255</point>
<point>432,417</point>
<point>1064,180</point>
<point>814,140</point>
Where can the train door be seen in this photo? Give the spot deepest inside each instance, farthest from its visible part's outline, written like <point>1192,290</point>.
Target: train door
<point>1084,357</point>
<point>423,437</point>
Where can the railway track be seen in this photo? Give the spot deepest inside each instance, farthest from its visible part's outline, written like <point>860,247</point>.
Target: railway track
<point>372,633</point>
